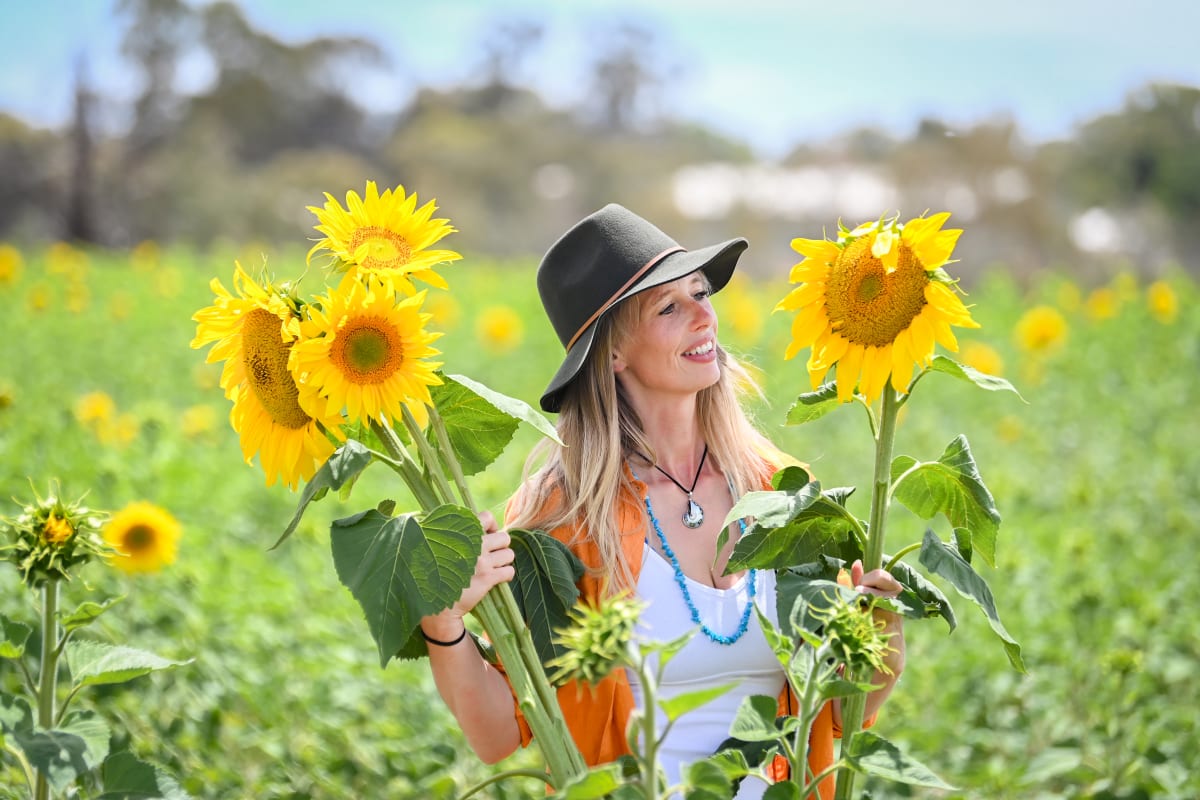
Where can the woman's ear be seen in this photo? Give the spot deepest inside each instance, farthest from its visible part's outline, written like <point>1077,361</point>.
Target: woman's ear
<point>618,363</point>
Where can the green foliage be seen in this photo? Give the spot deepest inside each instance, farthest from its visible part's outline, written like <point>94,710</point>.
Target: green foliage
<point>286,699</point>
<point>402,568</point>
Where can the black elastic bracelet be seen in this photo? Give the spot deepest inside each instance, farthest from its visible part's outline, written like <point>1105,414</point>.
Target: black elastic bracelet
<point>439,642</point>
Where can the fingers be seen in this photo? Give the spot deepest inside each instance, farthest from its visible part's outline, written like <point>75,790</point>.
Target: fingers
<point>495,564</point>
<point>878,582</point>
<point>488,521</point>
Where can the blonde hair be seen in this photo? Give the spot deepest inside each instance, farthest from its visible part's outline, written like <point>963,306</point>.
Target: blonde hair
<point>582,484</point>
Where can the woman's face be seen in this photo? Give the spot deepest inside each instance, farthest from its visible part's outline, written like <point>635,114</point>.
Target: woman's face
<point>671,349</point>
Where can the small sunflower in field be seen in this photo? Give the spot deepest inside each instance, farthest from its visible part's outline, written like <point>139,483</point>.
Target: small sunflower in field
<point>1103,303</point>
<point>50,537</point>
<point>1041,329</point>
<point>11,265</point>
<point>385,235</point>
<point>145,538</point>
<point>253,332</point>
<point>1163,302</point>
<point>499,328</point>
<point>365,350</point>
<point>95,408</point>
<point>874,303</point>
<point>983,358</point>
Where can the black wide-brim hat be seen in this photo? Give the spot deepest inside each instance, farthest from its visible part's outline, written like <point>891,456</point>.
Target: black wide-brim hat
<point>605,258</point>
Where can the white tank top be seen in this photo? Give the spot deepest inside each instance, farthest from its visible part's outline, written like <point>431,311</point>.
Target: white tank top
<point>703,663</point>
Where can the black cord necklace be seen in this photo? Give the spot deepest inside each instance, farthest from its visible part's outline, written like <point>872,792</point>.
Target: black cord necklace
<point>694,516</point>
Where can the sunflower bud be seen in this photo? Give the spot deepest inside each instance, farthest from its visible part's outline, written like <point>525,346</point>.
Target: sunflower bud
<point>597,641</point>
<point>853,635</point>
<point>50,536</point>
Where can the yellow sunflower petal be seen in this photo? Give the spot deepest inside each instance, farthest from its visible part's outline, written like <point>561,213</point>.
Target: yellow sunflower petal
<point>848,369</point>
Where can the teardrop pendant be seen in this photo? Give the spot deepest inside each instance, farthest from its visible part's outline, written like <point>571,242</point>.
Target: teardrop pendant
<point>694,517</point>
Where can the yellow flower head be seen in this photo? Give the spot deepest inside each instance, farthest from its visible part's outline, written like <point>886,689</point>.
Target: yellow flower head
<point>364,349</point>
<point>39,297</point>
<point>500,329</point>
<point>385,235</point>
<point>1163,302</point>
<point>1040,329</point>
<point>253,333</point>
<point>197,421</point>
<point>874,303</point>
<point>983,358</point>
<point>95,408</point>
<point>1103,303</point>
<point>144,536</point>
<point>11,263</point>
<point>145,256</point>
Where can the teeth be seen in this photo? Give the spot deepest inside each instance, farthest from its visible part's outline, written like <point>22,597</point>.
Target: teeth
<point>701,350</point>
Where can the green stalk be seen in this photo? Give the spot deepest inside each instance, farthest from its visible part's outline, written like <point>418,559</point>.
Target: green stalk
<point>854,707</point>
<point>499,614</point>
<point>443,439</point>
<point>428,457</point>
<point>47,685</point>
<point>649,736</point>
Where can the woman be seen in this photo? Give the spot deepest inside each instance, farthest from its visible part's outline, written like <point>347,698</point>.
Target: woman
<point>658,449</point>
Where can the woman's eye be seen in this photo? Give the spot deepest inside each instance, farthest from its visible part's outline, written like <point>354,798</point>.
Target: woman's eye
<point>667,309</point>
<point>703,293</point>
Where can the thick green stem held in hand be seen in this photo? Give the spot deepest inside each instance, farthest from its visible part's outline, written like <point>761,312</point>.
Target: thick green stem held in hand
<point>854,707</point>
<point>497,611</point>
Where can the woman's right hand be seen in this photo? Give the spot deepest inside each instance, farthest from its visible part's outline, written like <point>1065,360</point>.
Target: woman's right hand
<point>493,567</point>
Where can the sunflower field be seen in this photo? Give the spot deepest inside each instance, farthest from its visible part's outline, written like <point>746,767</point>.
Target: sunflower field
<point>279,693</point>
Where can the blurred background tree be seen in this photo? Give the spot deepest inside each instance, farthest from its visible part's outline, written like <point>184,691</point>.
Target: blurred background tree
<point>237,159</point>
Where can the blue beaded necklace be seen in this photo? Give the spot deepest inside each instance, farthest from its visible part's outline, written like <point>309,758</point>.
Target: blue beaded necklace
<point>680,579</point>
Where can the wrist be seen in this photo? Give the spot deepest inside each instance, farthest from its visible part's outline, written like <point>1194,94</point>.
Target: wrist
<point>446,627</point>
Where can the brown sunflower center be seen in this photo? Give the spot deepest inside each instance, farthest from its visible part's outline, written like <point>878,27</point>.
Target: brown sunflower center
<point>869,305</point>
<point>137,539</point>
<point>266,356</point>
<point>368,350</point>
<point>385,249</point>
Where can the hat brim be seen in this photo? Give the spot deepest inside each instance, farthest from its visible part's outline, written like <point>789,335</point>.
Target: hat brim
<point>717,261</point>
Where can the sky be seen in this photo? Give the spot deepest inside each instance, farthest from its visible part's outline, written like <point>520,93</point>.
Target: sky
<point>771,73</point>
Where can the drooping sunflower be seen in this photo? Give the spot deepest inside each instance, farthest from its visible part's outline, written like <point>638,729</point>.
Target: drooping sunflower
<point>875,302</point>
<point>385,235</point>
<point>365,349</point>
<point>254,333</point>
<point>144,536</point>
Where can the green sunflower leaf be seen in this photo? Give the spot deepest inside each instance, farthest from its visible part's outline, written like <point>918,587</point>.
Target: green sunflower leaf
<point>86,613</point>
<point>126,777</point>
<point>65,753</point>
<point>480,421</point>
<point>969,374</point>
<point>96,663</point>
<point>874,755</point>
<point>920,598</point>
<point>675,707</point>
<point>943,560</point>
<point>340,468</point>
<point>951,486</point>
<point>596,783</point>
<point>15,714</point>
<point>812,406</point>
<point>15,634</point>
<point>544,589</point>
<point>400,569</point>
<point>790,528</point>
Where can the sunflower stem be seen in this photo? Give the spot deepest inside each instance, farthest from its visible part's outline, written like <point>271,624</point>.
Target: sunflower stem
<point>408,469</point>
<point>47,686</point>
<point>429,458</point>
<point>504,624</point>
<point>903,552</point>
<point>854,707</point>
<point>449,457</point>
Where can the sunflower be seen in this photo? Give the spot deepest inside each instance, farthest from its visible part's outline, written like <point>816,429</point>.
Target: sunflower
<point>1041,329</point>
<point>1163,302</point>
<point>874,303</point>
<point>499,328</point>
<point>144,536</point>
<point>364,350</point>
<point>384,235</point>
<point>254,334</point>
